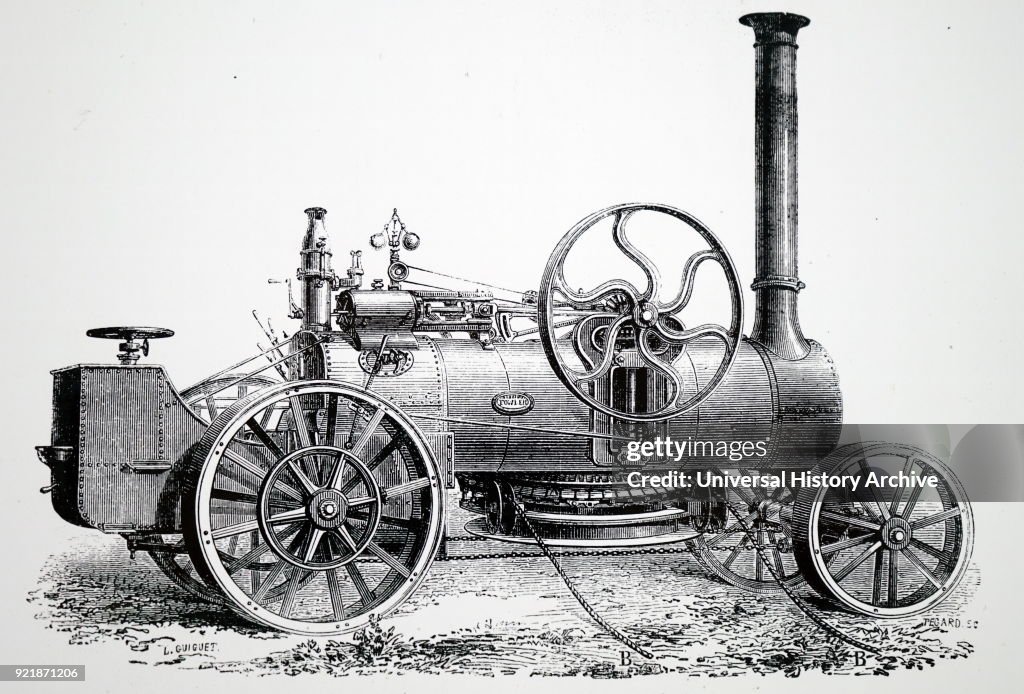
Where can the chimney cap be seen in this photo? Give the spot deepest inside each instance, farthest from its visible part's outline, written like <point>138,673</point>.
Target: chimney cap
<point>784,21</point>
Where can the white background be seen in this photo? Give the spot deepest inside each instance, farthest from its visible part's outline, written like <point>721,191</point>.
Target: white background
<point>157,158</point>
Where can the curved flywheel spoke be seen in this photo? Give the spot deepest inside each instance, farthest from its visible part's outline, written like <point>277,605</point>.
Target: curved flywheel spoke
<point>665,367</point>
<point>607,355</point>
<point>680,336</point>
<point>633,253</point>
<point>688,281</point>
<point>612,289</point>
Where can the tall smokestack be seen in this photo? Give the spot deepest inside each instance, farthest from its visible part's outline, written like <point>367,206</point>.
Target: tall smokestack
<point>776,323</point>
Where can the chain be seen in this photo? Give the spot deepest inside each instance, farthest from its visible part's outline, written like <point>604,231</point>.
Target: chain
<point>554,555</point>
<point>466,538</point>
<point>570,554</point>
<point>818,620</point>
<point>615,633</point>
<point>603,552</point>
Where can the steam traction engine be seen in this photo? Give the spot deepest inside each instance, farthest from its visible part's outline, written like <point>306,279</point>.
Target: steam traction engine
<point>309,492</point>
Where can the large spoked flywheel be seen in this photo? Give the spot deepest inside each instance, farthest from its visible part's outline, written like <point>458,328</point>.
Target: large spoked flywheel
<point>618,327</point>
<point>884,551</point>
<point>315,505</point>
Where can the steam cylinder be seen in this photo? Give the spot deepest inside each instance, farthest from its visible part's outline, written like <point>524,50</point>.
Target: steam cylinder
<point>315,273</point>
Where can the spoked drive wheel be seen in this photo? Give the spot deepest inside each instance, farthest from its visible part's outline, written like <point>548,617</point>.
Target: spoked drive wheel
<point>315,506</point>
<point>727,552</point>
<point>885,552</point>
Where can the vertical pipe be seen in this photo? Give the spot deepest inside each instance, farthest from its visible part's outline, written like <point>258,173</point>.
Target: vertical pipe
<point>776,284</point>
<point>315,273</point>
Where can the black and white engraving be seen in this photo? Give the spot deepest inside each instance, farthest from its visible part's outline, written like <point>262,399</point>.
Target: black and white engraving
<point>429,433</point>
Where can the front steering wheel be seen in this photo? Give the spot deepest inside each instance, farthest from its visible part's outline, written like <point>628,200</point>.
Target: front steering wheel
<point>131,347</point>
<point>629,327</point>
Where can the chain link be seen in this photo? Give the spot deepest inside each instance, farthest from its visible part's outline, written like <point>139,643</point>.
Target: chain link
<point>603,552</point>
<point>612,631</point>
<point>567,554</point>
<point>555,555</point>
<point>818,620</point>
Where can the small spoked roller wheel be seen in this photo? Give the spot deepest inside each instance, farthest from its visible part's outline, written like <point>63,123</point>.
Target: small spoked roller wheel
<point>727,550</point>
<point>500,507</point>
<point>884,551</point>
<point>314,506</point>
<point>176,564</point>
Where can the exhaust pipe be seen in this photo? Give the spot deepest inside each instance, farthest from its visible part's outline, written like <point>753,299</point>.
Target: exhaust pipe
<point>776,284</point>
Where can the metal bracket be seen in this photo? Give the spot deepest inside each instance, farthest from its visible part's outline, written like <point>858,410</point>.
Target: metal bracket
<point>147,466</point>
<point>49,455</point>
